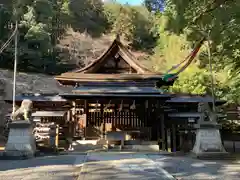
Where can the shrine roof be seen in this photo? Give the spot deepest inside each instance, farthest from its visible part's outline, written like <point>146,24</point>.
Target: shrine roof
<point>91,71</point>
<point>49,113</point>
<point>38,98</point>
<point>189,115</point>
<point>184,115</point>
<point>122,50</point>
<point>115,91</point>
<point>193,99</point>
<point>46,114</point>
<point>107,77</point>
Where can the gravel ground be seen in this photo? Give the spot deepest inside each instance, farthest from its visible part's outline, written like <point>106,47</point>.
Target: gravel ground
<point>48,168</point>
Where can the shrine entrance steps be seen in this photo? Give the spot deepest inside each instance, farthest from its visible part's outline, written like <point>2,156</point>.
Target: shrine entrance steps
<point>127,145</point>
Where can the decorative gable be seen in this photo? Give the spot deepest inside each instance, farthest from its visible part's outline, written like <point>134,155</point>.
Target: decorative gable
<point>115,64</point>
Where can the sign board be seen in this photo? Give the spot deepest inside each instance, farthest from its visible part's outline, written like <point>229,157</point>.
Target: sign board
<point>44,131</point>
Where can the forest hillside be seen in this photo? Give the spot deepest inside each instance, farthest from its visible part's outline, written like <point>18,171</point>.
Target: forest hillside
<point>58,35</point>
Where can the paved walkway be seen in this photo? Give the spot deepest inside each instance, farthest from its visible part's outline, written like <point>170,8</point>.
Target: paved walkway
<point>122,166</point>
<point>109,165</point>
<point>186,168</point>
<point>65,167</point>
<point>148,166</point>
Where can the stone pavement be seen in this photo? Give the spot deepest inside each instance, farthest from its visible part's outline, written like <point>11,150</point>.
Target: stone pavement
<point>64,167</point>
<point>121,166</point>
<point>186,168</point>
<point>106,165</point>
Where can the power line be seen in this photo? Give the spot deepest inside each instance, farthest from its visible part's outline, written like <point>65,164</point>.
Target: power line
<point>5,45</point>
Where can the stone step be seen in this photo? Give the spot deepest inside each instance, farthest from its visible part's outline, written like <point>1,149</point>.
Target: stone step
<point>154,148</point>
<point>213,156</point>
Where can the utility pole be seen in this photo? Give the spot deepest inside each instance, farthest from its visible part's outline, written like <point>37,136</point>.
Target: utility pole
<point>15,65</point>
<point>211,72</point>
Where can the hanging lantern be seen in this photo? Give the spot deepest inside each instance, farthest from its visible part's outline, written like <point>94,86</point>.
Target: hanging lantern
<point>133,106</point>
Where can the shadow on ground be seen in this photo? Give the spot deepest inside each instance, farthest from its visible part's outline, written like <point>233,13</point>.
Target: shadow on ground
<point>123,167</point>
<point>189,168</point>
<point>51,167</point>
<point>180,167</point>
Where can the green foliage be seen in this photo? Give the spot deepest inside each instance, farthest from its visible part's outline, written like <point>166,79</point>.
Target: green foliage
<point>133,23</point>
<point>4,19</point>
<point>170,35</point>
<point>181,25</point>
<point>41,24</point>
<point>88,15</point>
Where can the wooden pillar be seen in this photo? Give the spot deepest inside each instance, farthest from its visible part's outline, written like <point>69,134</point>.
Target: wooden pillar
<point>174,140</point>
<point>158,115</point>
<point>169,140</point>
<point>163,138</point>
<point>68,115</point>
<point>104,122</point>
<point>86,111</point>
<point>181,141</point>
<point>57,136</point>
<point>72,121</point>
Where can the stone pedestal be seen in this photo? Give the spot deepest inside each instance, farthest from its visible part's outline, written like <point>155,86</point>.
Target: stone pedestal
<point>208,141</point>
<point>21,141</point>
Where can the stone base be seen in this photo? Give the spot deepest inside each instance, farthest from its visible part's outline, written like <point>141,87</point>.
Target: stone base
<point>208,143</point>
<point>21,141</point>
<point>212,155</point>
<point>150,148</point>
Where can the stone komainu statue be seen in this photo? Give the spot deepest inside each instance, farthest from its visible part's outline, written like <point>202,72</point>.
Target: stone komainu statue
<point>24,112</point>
<point>207,112</point>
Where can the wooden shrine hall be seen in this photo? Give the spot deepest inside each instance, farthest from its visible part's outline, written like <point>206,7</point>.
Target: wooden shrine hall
<point>116,93</point>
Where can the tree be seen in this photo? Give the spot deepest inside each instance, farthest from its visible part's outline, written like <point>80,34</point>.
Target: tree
<point>125,23</point>
<point>193,20</point>
<point>5,16</point>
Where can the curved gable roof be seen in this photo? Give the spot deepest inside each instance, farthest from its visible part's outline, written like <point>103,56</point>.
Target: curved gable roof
<point>123,51</point>
<point>90,72</point>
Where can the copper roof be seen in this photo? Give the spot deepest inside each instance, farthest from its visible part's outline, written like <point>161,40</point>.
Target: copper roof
<point>128,57</point>
<point>88,73</point>
<point>116,90</point>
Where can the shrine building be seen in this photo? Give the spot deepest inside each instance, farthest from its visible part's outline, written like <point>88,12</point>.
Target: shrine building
<point>116,93</point>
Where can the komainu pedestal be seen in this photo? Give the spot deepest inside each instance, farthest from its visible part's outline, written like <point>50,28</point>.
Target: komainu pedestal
<point>208,139</point>
<point>21,141</point>
<point>208,142</point>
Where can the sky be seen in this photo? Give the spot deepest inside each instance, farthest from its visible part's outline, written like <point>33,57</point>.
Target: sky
<point>132,2</point>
